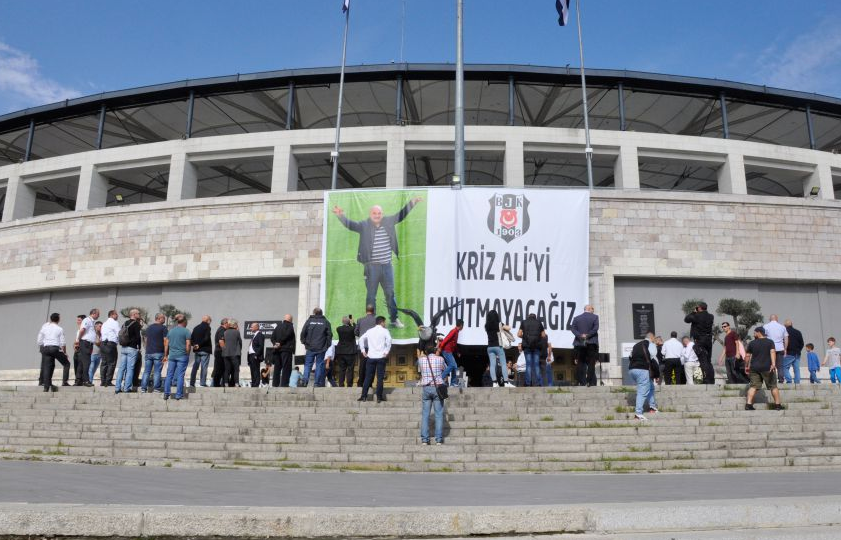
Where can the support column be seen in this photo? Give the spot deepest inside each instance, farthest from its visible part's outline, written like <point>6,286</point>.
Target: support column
<point>515,168</point>
<point>20,200</point>
<point>92,191</point>
<point>822,178</point>
<point>183,178</point>
<point>731,176</point>
<point>395,168</point>
<point>284,169</point>
<point>626,168</point>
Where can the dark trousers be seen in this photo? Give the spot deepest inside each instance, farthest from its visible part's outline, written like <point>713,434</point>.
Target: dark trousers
<point>585,371</point>
<point>779,363</point>
<point>254,362</point>
<point>77,359</point>
<point>374,365</point>
<point>108,350</point>
<point>85,350</point>
<point>138,367</point>
<point>362,363</point>
<point>703,348</point>
<point>62,359</point>
<point>218,368</point>
<point>231,377</point>
<point>671,370</point>
<point>49,355</point>
<point>735,371</point>
<point>346,363</point>
<point>282,368</point>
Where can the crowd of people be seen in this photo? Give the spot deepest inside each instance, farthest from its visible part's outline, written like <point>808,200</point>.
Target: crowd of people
<point>363,346</point>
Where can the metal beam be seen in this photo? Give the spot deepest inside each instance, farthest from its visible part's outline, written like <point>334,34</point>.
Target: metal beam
<point>724,124</point>
<point>100,130</point>
<point>240,177</point>
<point>511,100</point>
<point>28,152</point>
<point>188,131</point>
<point>399,108</point>
<point>134,187</point>
<point>621,88</point>
<point>290,107</point>
<point>812,144</point>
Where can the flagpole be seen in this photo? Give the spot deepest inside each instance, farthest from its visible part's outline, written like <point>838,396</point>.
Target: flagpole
<point>588,150</point>
<point>334,155</point>
<point>458,173</point>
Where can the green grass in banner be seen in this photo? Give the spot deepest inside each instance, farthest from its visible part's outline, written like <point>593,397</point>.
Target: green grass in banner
<point>345,281</point>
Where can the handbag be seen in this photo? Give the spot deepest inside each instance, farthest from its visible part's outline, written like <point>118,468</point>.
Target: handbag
<point>506,338</point>
<point>442,390</point>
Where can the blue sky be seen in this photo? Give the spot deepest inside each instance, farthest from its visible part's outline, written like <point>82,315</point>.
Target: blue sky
<point>54,49</point>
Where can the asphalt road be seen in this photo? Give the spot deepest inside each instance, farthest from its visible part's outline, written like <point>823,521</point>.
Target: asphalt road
<point>34,482</point>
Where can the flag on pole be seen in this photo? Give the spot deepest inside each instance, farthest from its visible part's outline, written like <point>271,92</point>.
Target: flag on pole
<point>345,6</point>
<point>563,11</point>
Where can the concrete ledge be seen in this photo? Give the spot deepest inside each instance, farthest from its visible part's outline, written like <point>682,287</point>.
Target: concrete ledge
<point>20,519</point>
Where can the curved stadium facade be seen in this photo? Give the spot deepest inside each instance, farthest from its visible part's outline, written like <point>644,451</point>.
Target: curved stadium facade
<point>208,194</point>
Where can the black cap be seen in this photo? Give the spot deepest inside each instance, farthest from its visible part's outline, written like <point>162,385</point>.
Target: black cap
<point>760,329</point>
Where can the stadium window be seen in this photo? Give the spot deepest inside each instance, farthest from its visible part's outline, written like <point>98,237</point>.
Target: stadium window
<point>436,167</point>
<point>229,177</point>
<point>13,146</point>
<point>55,195</point>
<point>650,112</point>
<point>356,170</point>
<point>567,169</point>
<point>363,104</point>
<point>145,124</point>
<point>775,181</point>
<point>136,185</point>
<point>678,174</point>
<point>241,112</point>
<point>827,130</point>
<point>63,137</point>
<point>767,124</point>
<point>553,105</point>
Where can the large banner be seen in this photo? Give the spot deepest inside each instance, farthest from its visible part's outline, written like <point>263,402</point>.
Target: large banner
<point>412,253</point>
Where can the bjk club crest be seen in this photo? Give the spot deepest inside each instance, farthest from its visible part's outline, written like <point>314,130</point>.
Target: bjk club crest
<point>508,217</point>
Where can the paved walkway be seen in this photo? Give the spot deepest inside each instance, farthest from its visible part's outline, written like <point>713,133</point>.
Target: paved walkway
<point>34,482</point>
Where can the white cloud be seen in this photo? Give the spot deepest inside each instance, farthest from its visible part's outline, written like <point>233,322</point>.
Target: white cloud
<point>23,85</point>
<point>811,62</point>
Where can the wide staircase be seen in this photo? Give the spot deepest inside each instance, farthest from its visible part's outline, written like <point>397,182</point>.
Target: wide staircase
<point>487,429</point>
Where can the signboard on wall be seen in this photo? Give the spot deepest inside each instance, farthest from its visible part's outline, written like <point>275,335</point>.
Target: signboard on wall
<point>266,327</point>
<point>643,319</point>
<point>416,252</point>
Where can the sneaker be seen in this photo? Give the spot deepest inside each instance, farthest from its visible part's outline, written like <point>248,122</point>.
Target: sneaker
<point>396,323</point>
<point>425,443</point>
<point>509,384</point>
<point>495,385</point>
<point>640,417</point>
<point>166,397</point>
<point>439,443</point>
<point>778,407</point>
<point>749,407</point>
<point>653,410</point>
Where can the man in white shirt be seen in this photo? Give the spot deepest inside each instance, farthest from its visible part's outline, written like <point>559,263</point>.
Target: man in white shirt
<point>777,333</point>
<point>671,359</point>
<point>52,346</point>
<point>375,345</point>
<point>108,348</point>
<point>689,359</point>
<point>85,339</point>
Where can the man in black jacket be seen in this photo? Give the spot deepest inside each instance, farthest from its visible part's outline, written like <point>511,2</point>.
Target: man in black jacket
<point>346,351</point>
<point>202,345</point>
<point>255,353</point>
<point>316,335</point>
<point>701,331</point>
<point>218,358</point>
<point>639,368</point>
<point>283,339</point>
<point>793,352</point>
<point>377,242</point>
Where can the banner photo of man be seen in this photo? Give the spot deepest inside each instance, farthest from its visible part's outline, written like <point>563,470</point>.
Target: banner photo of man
<point>375,254</point>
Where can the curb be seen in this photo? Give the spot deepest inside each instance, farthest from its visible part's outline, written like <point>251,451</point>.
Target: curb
<point>22,519</point>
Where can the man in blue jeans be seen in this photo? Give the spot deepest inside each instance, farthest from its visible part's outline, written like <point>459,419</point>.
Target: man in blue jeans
<point>532,332</point>
<point>432,374</point>
<point>156,342</point>
<point>128,355</point>
<point>178,355</point>
<point>794,350</point>
<point>202,345</point>
<point>316,335</point>
<point>449,346</point>
<point>639,369</point>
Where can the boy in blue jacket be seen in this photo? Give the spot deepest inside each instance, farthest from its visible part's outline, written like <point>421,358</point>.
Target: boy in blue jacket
<point>813,362</point>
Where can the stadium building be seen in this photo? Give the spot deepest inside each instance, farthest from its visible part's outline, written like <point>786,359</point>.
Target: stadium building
<point>208,194</point>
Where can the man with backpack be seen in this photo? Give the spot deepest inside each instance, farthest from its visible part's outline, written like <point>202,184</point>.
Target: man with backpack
<point>531,332</point>
<point>129,339</point>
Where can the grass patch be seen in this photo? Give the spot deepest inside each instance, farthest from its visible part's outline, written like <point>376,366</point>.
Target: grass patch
<point>693,416</point>
<point>34,452</point>
<point>609,417</point>
<point>622,390</point>
<point>546,418</point>
<point>679,467</point>
<point>728,394</point>
<point>5,450</point>
<point>623,409</point>
<point>513,419</point>
<point>805,400</point>
<point>770,406</point>
<point>599,425</point>
<point>376,468</point>
<point>713,424</point>
<point>427,460</point>
<point>630,458</point>
<point>735,465</point>
<point>291,466</point>
<point>243,463</point>
<point>578,469</point>
<point>168,464</point>
<point>320,466</point>
<point>559,391</point>
<point>667,409</point>
<point>55,452</point>
<point>639,448</point>
<point>737,387</point>
<point>441,469</point>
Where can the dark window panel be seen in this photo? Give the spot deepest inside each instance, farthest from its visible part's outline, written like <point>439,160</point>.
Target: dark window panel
<point>249,112</point>
<point>356,170</point>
